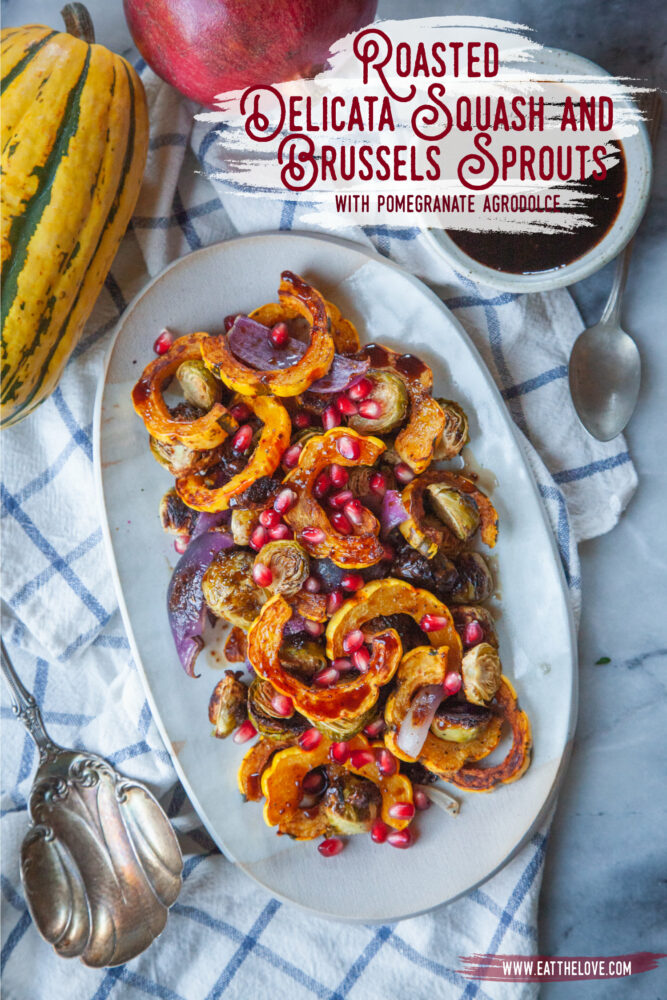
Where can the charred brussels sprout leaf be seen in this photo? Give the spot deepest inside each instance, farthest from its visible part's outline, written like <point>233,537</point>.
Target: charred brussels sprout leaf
<point>455,433</point>
<point>227,707</point>
<point>481,672</point>
<point>455,509</point>
<point>351,803</point>
<point>175,517</point>
<point>391,395</point>
<point>229,589</point>
<point>199,386</point>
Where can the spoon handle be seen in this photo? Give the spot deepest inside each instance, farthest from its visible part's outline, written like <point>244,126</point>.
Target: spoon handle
<point>27,710</point>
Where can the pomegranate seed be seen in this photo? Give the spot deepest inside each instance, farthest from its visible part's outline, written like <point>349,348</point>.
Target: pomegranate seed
<point>378,482</point>
<point>342,664</point>
<point>339,752</point>
<point>361,659</point>
<point>312,584</point>
<point>279,335</point>
<point>313,628</point>
<point>349,448</point>
<point>353,641</point>
<point>313,783</point>
<point>181,544</point>
<point>379,831</point>
<point>242,439</point>
<point>402,810</point>
<point>422,800</point>
<point>340,499</point>
<point>338,474</point>
<point>262,575</point>
<point>334,602</point>
<point>269,518</point>
<point>259,537</point>
<point>360,389</point>
<point>326,677</point>
<point>331,847</point>
<point>386,763</point>
<point>346,406</point>
<point>310,739</point>
<point>313,535</point>
<point>291,456</point>
<point>163,342</point>
<point>352,581</point>
<point>282,705</point>
<point>301,419</point>
<point>373,729</point>
<point>433,623</point>
<point>403,473</point>
<point>354,511</point>
<point>245,732</point>
<point>240,412</point>
<point>452,683</point>
<point>341,523</point>
<point>280,533</point>
<point>473,633</point>
<point>360,758</point>
<point>388,551</point>
<point>284,501</point>
<point>322,485</point>
<point>330,418</point>
<point>400,838</point>
<point>370,409</point>
<point>229,321</point>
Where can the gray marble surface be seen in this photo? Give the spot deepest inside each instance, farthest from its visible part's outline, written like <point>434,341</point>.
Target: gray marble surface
<point>605,887</point>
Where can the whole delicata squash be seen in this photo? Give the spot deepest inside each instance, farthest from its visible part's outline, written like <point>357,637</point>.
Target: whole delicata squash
<point>348,699</point>
<point>416,442</point>
<point>294,292</point>
<point>361,548</point>
<point>74,141</point>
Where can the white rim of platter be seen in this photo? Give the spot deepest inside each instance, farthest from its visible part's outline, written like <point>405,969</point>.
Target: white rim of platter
<point>366,882</point>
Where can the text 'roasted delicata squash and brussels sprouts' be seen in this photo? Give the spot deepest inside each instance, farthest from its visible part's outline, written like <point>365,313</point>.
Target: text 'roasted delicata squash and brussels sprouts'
<point>313,514</point>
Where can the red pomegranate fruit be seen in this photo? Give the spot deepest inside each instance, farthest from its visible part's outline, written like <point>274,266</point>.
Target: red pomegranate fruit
<point>208,47</point>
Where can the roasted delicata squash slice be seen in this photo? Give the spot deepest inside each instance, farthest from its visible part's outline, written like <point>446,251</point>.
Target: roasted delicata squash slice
<point>485,779</point>
<point>446,757</point>
<point>345,700</point>
<point>416,442</point>
<point>387,597</point>
<point>200,434</point>
<point>282,784</point>
<point>255,762</point>
<point>423,667</point>
<point>264,460</point>
<point>459,509</point>
<point>460,721</point>
<point>363,547</point>
<point>344,333</point>
<point>294,379</point>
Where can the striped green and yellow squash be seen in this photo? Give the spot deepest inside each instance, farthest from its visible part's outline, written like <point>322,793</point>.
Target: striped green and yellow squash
<point>74,143</point>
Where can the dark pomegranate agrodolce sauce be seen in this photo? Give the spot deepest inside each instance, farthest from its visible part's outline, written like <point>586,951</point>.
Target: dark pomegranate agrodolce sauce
<point>528,253</point>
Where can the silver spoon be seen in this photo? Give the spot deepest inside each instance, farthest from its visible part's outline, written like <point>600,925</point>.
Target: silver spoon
<point>100,865</point>
<point>605,366</point>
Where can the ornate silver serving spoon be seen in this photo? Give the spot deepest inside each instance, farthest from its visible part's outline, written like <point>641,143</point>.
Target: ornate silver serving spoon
<point>100,865</point>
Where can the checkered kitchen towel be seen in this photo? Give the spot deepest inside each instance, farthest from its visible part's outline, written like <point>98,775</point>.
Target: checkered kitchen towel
<point>226,936</point>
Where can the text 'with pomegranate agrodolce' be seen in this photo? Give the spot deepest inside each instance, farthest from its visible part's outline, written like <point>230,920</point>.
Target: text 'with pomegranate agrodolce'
<point>313,514</point>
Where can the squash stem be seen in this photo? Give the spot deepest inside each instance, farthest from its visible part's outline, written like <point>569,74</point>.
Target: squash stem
<point>78,22</point>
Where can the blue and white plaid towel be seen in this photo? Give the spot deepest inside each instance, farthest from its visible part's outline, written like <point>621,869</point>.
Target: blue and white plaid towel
<point>226,936</point>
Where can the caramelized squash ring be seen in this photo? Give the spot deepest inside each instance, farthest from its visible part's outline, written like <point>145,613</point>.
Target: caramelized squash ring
<point>344,333</point>
<point>347,699</point>
<point>264,461</point>
<point>295,379</point>
<point>389,597</point>
<point>363,548</point>
<point>485,779</point>
<point>201,434</point>
<point>254,763</point>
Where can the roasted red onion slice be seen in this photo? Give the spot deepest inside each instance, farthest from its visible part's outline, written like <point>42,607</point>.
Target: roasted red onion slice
<point>392,512</point>
<point>186,606</point>
<point>250,342</point>
<point>416,724</point>
<point>206,521</point>
<point>295,625</point>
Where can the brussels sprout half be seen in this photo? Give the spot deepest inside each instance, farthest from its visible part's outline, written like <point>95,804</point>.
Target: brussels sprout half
<point>289,565</point>
<point>229,589</point>
<point>351,803</point>
<point>199,386</point>
<point>455,433</point>
<point>460,722</point>
<point>390,392</point>
<point>481,672</point>
<point>227,707</point>
<point>455,509</point>
<point>474,581</point>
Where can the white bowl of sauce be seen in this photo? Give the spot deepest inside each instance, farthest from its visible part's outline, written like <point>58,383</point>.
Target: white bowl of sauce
<point>537,262</point>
